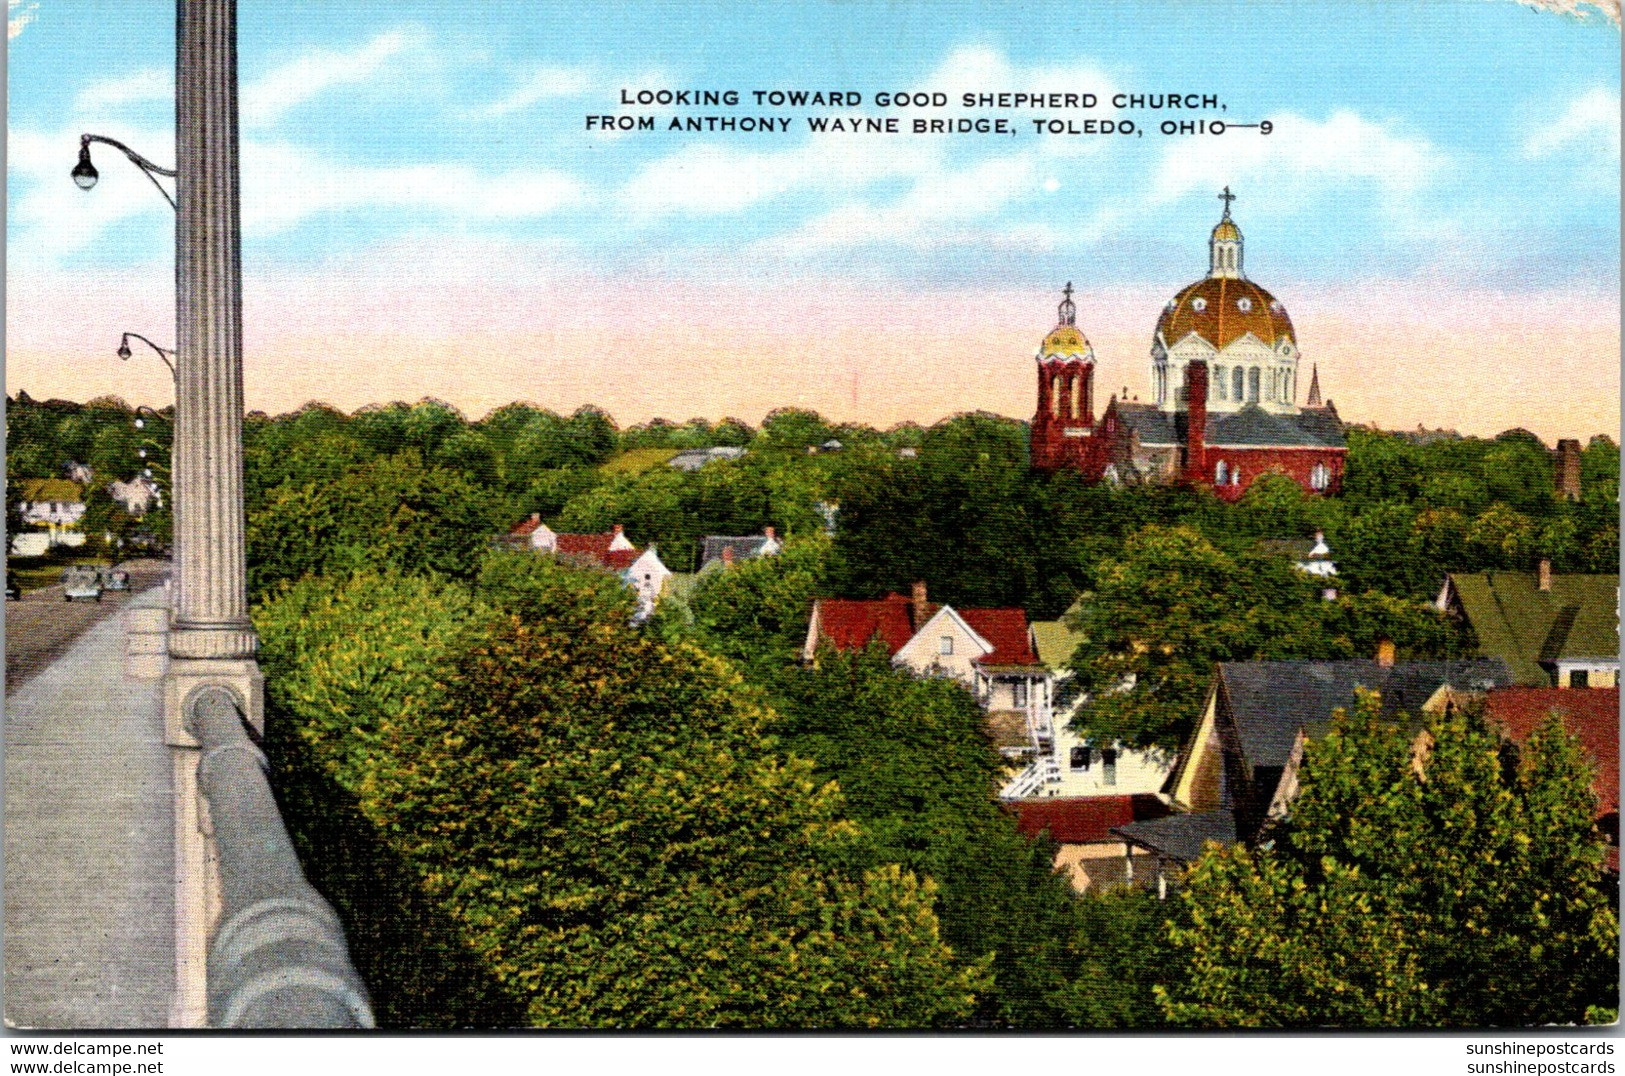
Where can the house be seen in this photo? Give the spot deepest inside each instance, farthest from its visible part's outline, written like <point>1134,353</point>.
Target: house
<point>57,505</point>
<point>987,650</point>
<point>722,550</point>
<point>612,551</point>
<point>693,459</point>
<point>1239,769</point>
<point>1069,763</point>
<point>1313,559</point>
<point>1553,630</point>
<point>1081,827</point>
<point>1592,717</point>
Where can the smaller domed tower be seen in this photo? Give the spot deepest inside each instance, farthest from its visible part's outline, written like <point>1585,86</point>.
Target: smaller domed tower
<point>1063,426</point>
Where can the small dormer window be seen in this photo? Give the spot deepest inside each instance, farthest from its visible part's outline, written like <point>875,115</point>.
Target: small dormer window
<point>945,646</point>
<point>1198,304</point>
<point>1244,305</point>
<point>1275,306</point>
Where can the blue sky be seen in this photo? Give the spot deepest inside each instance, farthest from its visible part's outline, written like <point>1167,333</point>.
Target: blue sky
<point>1451,141</point>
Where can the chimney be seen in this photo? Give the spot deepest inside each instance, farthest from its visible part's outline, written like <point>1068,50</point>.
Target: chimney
<point>618,529</point>
<point>1568,469</point>
<point>535,517</point>
<point>1196,421</point>
<point>1545,571</point>
<point>727,556</point>
<point>918,611</point>
<point>1385,653</point>
<point>770,532</point>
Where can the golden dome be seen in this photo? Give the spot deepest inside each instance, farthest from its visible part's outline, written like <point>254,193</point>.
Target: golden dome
<point>1226,232</point>
<point>1065,340</point>
<point>1221,310</point>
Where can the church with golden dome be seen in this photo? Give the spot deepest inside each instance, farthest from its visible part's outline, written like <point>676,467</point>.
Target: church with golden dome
<point>1223,407</point>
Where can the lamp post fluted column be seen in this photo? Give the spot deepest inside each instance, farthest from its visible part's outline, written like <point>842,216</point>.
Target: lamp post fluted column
<point>211,600</point>
<point>211,640</point>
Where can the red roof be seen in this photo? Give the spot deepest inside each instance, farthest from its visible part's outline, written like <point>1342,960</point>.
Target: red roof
<point>1591,714</point>
<point>849,625</point>
<point>595,548</point>
<point>1085,819</point>
<point>1006,629</point>
<point>525,528</point>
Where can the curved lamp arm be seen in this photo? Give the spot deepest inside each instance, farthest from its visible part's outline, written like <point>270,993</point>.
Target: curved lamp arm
<point>85,174</point>
<point>163,352</point>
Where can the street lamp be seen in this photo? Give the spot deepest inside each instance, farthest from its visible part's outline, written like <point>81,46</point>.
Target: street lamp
<point>164,353</point>
<point>85,174</point>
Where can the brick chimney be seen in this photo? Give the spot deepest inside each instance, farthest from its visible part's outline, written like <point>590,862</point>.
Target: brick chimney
<point>918,609</point>
<point>1545,574</point>
<point>1196,421</point>
<point>1385,653</point>
<point>727,556</point>
<point>1568,469</point>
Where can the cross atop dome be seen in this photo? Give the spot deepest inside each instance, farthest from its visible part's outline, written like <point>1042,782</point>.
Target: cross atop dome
<point>1225,245</point>
<point>1068,311</point>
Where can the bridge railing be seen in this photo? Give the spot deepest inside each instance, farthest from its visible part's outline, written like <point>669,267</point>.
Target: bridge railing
<point>278,957</point>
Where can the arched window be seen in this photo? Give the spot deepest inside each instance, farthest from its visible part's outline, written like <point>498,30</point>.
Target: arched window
<point>1054,394</point>
<point>1235,383</point>
<point>1253,377</point>
<point>1218,379</point>
<point>1072,387</point>
<point>1221,473</point>
<point>1235,475</point>
<point>1320,476</point>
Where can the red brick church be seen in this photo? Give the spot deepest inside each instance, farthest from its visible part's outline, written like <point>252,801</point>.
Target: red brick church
<point>1224,386</point>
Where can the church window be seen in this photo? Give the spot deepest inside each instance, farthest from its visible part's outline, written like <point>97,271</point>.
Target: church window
<point>1253,378</point>
<point>1244,305</point>
<point>1072,389</point>
<point>1080,759</point>
<point>1235,476</point>
<point>1198,304</point>
<point>1221,473</point>
<point>1235,383</point>
<point>1320,476</point>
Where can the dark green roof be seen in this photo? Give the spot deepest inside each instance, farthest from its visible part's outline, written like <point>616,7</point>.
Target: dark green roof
<point>1523,625</point>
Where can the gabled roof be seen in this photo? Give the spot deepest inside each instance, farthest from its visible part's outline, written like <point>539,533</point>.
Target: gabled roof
<point>1517,621</point>
<point>1180,836</point>
<point>1251,427</point>
<point>1054,643</point>
<point>1006,630</point>
<point>849,625</point>
<point>36,490</point>
<point>525,528</point>
<point>1591,714</point>
<point>1271,700</point>
<point>1084,819</point>
<point>740,548</point>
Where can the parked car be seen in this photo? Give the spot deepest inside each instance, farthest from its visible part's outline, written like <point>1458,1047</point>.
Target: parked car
<point>114,578</point>
<point>13,591</point>
<point>81,581</point>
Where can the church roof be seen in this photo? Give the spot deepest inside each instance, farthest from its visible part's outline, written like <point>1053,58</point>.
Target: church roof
<point>1251,427</point>
<point>1221,310</point>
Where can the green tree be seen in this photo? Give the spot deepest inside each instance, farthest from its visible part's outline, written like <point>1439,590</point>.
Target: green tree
<point>1449,881</point>
<point>1162,613</point>
<point>756,612</point>
<point>598,815</point>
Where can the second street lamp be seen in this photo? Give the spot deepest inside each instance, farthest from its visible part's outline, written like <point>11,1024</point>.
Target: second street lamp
<point>85,174</point>
<point>164,353</point>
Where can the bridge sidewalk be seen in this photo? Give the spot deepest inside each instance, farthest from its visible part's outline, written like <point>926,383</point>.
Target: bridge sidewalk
<point>89,842</point>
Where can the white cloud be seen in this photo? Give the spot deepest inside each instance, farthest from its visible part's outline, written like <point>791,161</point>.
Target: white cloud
<point>51,216</point>
<point>268,98</point>
<point>1300,157</point>
<point>1590,122</point>
<point>286,184</point>
<point>543,85</point>
<point>19,13</point>
<point>148,84</point>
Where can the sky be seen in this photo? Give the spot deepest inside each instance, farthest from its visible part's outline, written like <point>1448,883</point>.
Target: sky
<point>427,213</point>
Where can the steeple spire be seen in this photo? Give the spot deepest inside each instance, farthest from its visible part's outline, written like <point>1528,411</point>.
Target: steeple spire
<point>1225,246</point>
<point>1314,387</point>
<point>1068,311</point>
